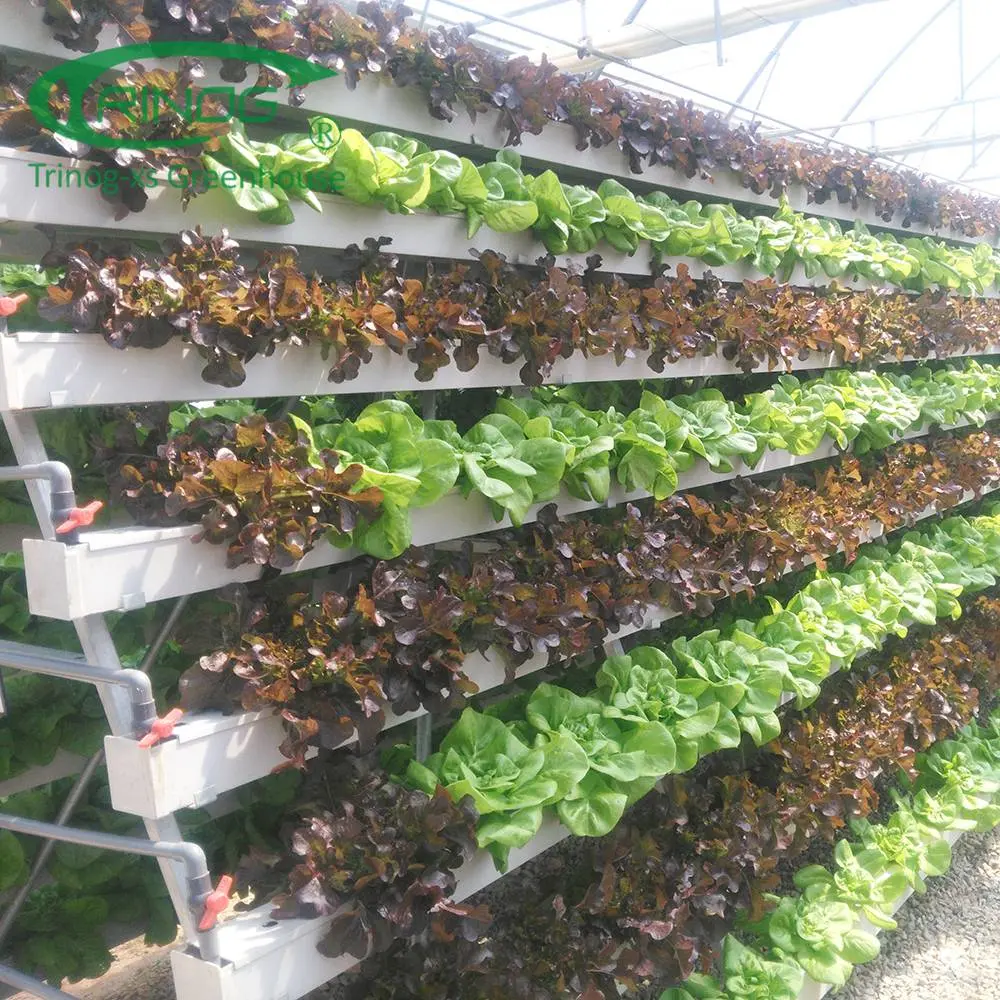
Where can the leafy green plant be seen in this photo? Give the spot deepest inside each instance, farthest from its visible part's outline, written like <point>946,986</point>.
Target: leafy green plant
<point>404,175</point>
<point>621,755</point>
<point>653,712</point>
<point>746,975</point>
<point>913,849</point>
<point>821,936</point>
<point>508,780</point>
<point>867,880</point>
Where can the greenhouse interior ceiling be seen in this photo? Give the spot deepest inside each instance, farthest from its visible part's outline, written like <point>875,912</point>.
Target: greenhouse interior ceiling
<point>758,61</point>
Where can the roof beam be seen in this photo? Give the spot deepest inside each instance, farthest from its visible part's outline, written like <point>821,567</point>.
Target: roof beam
<point>892,62</point>
<point>660,29</point>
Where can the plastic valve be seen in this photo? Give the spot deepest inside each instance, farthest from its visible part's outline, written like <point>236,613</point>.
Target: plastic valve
<point>161,729</point>
<point>9,303</point>
<point>216,903</point>
<point>79,517</point>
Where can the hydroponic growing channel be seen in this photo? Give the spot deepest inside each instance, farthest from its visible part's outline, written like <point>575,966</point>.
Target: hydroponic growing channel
<point>552,457</point>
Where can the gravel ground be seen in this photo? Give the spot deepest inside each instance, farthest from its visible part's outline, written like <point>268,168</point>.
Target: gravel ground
<point>948,941</point>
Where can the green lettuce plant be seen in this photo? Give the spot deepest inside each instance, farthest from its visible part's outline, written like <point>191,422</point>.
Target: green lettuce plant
<point>507,779</point>
<point>621,754</point>
<point>913,849</point>
<point>746,975</point>
<point>820,935</point>
<point>866,880</point>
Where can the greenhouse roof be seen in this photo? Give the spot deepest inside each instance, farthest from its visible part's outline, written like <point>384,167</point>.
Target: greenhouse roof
<point>917,81</point>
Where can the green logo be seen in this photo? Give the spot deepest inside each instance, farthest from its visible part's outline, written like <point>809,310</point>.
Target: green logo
<point>145,104</point>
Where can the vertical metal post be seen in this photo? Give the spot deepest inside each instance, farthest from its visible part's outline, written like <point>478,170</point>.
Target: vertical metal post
<point>961,49</point>
<point>717,9</point>
<point>428,405</point>
<point>422,748</point>
<point>773,54</point>
<point>975,156</point>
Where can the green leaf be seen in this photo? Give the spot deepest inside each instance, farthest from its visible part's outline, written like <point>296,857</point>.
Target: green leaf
<point>13,864</point>
<point>469,188</point>
<point>700,724</point>
<point>859,947</point>
<point>509,829</point>
<point>508,216</point>
<point>389,535</point>
<point>493,488</point>
<point>936,858</point>
<point>439,468</point>
<point>596,809</point>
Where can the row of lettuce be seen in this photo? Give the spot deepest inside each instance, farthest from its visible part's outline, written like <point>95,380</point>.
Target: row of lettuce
<point>230,306</point>
<point>973,545</point>
<point>456,75</point>
<point>821,933</point>
<point>270,489</point>
<point>653,712</point>
<point>402,174</point>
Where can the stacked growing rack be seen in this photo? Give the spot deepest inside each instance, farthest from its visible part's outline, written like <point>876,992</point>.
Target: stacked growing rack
<point>160,768</point>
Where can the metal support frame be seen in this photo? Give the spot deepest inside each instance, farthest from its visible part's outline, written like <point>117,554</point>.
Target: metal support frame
<point>892,62</point>
<point>425,724</point>
<point>198,882</point>
<point>17,979</point>
<point>99,649</point>
<point>80,785</point>
<point>771,56</point>
<point>717,17</point>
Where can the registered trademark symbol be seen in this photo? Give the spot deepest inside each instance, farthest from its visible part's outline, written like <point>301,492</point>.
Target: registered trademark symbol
<point>323,133</point>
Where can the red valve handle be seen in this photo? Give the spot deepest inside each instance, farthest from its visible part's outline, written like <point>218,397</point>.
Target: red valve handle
<point>216,903</point>
<point>9,303</point>
<point>80,517</point>
<point>161,729</point>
